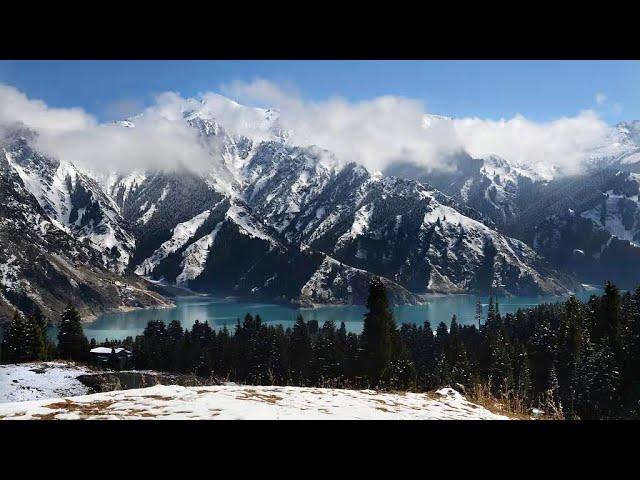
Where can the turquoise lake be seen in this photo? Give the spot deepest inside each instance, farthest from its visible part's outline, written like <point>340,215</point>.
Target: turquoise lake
<point>220,311</point>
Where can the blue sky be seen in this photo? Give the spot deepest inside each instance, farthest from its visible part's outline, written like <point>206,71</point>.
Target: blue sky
<point>539,90</point>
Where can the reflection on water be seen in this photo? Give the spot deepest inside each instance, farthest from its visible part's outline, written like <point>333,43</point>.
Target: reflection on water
<point>221,311</point>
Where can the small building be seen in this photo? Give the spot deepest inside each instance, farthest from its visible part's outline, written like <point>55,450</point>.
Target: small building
<point>101,356</point>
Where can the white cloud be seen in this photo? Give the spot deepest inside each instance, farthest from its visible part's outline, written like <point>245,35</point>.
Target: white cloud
<point>374,132</point>
<point>562,143</point>
<point>261,92</point>
<point>379,131</point>
<point>16,107</point>
<point>158,141</point>
<point>601,99</point>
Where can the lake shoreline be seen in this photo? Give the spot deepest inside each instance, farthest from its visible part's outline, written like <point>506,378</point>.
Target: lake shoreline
<point>225,311</point>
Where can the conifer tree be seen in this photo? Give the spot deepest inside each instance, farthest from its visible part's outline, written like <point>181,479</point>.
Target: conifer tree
<point>500,369</point>
<point>38,328</point>
<point>569,341</point>
<point>173,353</point>
<point>632,370</point>
<point>326,361</point>
<point>72,343</point>
<point>523,374</point>
<point>378,333</point>
<point>114,362</point>
<point>300,352</point>
<point>479,313</point>
<point>491,310</point>
<point>609,324</point>
<point>442,372</point>
<point>605,386</point>
<point>542,350</point>
<point>18,341</point>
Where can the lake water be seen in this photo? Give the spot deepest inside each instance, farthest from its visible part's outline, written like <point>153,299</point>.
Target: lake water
<point>219,311</point>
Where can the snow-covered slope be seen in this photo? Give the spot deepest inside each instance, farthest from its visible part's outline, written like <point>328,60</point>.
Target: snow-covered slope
<point>251,403</point>
<point>73,200</point>
<point>288,222</point>
<point>37,380</point>
<point>619,212</point>
<point>181,233</point>
<point>46,264</point>
<point>621,148</point>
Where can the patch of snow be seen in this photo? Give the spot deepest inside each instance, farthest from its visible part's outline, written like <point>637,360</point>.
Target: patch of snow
<point>9,273</point>
<point>360,224</point>
<point>106,350</point>
<point>148,214</point>
<point>248,224</point>
<point>251,402</point>
<point>164,193</point>
<point>195,257</point>
<point>464,191</point>
<point>38,380</point>
<point>613,221</point>
<point>181,234</point>
<point>128,183</point>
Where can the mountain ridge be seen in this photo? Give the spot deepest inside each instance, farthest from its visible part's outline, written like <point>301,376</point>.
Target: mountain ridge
<point>326,224</point>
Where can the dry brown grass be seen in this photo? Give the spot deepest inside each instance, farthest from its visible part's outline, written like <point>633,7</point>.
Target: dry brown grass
<point>97,407</point>
<point>158,397</point>
<point>509,403</point>
<point>251,394</point>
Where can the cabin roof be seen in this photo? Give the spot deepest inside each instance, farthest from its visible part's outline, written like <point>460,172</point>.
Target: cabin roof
<point>107,350</point>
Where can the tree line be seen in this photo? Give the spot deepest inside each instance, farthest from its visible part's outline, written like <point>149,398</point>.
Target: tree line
<point>25,339</point>
<point>578,359</point>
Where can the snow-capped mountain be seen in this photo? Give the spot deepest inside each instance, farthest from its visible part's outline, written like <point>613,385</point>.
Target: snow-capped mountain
<point>288,222</point>
<point>44,262</point>
<point>73,200</point>
<point>621,150</point>
<point>595,230</point>
<point>306,197</point>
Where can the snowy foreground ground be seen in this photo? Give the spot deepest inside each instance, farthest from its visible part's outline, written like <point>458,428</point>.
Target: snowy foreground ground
<point>249,402</point>
<point>49,390</point>
<point>33,381</point>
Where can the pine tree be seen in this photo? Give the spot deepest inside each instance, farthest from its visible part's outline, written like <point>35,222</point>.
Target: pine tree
<point>500,369</point>
<point>173,353</point>
<point>585,368</point>
<point>523,374</point>
<point>326,361</point>
<point>72,343</point>
<point>569,342</point>
<point>442,339</point>
<point>300,352</point>
<point>18,342</point>
<point>114,362</point>
<point>38,327</point>
<point>609,324</point>
<point>491,310</point>
<point>605,387</point>
<point>379,332</point>
<point>553,403</point>
<point>632,370</point>
<point>542,354</point>
<point>442,372</point>
<point>479,313</point>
